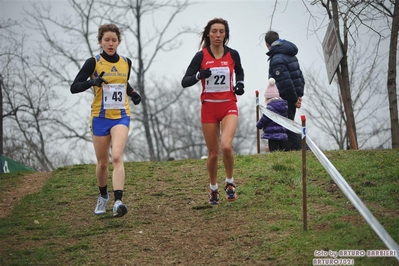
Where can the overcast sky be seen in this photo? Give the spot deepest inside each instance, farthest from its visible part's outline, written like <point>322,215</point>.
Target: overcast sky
<point>248,21</point>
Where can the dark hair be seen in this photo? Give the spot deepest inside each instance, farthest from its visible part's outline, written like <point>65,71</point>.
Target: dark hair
<point>271,37</point>
<point>109,27</point>
<point>205,42</point>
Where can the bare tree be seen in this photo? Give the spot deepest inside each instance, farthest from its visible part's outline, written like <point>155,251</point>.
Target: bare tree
<point>143,49</point>
<point>184,139</point>
<point>178,128</point>
<point>342,72</point>
<point>376,18</point>
<point>327,110</point>
<point>7,49</point>
<point>30,132</point>
<point>1,114</point>
<point>166,124</point>
<point>392,71</point>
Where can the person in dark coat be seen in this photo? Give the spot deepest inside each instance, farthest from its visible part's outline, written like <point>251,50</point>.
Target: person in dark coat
<point>275,133</point>
<point>284,68</point>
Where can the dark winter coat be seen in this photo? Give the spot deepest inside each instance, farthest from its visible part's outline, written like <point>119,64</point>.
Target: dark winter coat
<point>272,130</point>
<point>284,68</point>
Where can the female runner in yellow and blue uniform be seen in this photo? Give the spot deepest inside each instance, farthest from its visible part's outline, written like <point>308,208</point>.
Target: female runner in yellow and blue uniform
<point>110,112</point>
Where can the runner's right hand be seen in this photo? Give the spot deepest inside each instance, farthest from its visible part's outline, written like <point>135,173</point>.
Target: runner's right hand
<point>97,82</point>
<point>204,74</point>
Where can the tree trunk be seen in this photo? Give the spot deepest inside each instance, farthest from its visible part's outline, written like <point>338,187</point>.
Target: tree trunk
<point>141,87</point>
<point>343,78</point>
<point>391,83</point>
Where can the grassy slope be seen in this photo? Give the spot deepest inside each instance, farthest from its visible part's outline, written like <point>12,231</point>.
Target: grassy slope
<point>169,221</point>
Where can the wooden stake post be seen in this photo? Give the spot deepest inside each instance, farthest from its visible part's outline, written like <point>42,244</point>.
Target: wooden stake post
<point>304,203</point>
<point>257,119</point>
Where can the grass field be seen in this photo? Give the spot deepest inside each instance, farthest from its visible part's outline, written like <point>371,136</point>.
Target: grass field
<point>171,223</point>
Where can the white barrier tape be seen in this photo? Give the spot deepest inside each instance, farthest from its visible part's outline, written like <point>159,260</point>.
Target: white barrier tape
<point>339,180</point>
<point>285,122</point>
<point>351,195</point>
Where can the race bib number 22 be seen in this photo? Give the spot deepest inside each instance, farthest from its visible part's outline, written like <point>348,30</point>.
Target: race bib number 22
<point>219,81</point>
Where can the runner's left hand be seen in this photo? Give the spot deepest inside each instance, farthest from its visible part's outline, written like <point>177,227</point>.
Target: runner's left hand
<point>239,88</point>
<point>136,98</point>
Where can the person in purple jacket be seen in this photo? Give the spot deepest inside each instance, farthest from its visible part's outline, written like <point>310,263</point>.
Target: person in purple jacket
<point>275,133</point>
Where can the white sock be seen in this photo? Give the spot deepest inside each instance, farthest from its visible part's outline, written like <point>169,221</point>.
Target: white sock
<point>213,187</point>
<point>230,180</point>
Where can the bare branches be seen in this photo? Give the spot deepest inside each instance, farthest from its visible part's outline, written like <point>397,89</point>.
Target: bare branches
<point>148,29</point>
<point>327,112</point>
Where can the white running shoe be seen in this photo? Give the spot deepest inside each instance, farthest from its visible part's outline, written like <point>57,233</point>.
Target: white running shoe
<point>101,206</point>
<point>119,209</point>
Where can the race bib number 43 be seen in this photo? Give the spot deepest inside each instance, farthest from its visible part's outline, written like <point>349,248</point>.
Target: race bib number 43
<point>219,81</point>
<point>114,96</point>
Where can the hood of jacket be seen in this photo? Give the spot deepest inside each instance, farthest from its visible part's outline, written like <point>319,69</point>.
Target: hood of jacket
<point>282,46</point>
